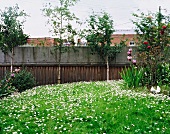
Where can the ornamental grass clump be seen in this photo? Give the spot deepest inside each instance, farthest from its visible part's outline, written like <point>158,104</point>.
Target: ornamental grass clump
<point>132,76</point>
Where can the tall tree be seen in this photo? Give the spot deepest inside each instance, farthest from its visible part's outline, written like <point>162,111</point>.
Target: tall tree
<point>99,36</point>
<point>60,18</point>
<point>11,30</point>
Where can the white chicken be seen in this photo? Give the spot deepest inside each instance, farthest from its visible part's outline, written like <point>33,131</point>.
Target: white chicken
<point>155,91</point>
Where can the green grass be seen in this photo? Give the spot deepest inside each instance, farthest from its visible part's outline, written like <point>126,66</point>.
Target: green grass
<point>85,107</point>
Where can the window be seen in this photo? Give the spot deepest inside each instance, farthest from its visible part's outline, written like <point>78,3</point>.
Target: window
<point>131,43</point>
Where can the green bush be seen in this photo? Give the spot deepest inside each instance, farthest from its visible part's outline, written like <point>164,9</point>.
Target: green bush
<point>147,78</point>
<point>23,80</point>
<point>163,74</point>
<point>6,87</point>
<point>132,76</point>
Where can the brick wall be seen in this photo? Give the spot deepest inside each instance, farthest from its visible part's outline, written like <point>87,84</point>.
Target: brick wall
<point>47,41</point>
<point>118,37</point>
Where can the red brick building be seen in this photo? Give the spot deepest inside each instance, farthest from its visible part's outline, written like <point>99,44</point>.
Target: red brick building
<point>47,41</point>
<point>128,35</point>
<point>119,35</point>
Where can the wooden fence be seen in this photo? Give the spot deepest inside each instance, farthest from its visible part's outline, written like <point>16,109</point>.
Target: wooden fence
<point>45,74</point>
<point>79,65</point>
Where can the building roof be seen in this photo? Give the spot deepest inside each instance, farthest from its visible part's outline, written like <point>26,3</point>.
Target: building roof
<point>124,31</point>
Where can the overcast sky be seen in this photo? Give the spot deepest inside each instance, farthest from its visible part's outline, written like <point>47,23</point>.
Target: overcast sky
<point>120,10</point>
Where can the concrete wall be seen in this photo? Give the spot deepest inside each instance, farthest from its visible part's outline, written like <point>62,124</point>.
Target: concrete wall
<point>47,55</point>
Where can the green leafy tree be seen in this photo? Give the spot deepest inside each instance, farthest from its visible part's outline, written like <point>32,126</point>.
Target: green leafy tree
<point>11,33</point>
<point>99,36</point>
<point>60,19</point>
<point>153,38</point>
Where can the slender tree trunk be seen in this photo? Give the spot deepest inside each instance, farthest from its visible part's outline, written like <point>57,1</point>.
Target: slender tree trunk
<point>12,59</point>
<point>59,69</point>
<point>107,65</point>
<point>59,61</point>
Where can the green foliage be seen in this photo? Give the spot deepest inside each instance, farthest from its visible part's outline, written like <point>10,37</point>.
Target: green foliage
<point>23,80</point>
<point>163,74</point>
<point>147,78</point>
<point>132,76</point>
<point>11,33</point>
<point>6,87</point>
<point>99,36</point>
<point>60,19</point>
<point>153,38</point>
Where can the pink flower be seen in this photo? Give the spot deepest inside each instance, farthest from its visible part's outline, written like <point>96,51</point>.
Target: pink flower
<point>149,47</point>
<point>130,49</point>
<point>12,75</point>
<point>129,58</point>
<point>134,62</point>
<point>129,53</point>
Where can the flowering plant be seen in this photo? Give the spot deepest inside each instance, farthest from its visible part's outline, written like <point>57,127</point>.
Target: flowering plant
<point>153,38</point>
<point>130,58</point>
<point>18,80</point>
<point>21,79</point>
<point>133,74</point>
<point>6,87</point>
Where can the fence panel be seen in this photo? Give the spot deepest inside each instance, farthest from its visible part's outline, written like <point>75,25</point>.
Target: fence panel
<point>48,74</point>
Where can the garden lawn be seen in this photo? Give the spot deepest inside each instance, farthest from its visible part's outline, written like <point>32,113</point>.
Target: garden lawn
<point>84,107</point>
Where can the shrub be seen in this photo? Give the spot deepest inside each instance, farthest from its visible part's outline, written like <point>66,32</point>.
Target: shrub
<point>23,80</point>
<point>6,87</point>
<point>163,74</point>
<point>152,34</point>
